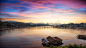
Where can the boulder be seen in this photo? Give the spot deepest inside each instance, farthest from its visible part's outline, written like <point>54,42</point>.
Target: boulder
<point>81,37</point>
<point>54,40</point>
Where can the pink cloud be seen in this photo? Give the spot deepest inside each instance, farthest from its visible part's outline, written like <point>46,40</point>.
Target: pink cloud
<point>60,10</point>
<point>68,3</point>
<point>40,4</point>
<point>13,19</point>
<point>13,5</point>
<point>29,14</point>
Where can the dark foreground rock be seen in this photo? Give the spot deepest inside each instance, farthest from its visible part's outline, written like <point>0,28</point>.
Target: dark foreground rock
<point>52,41</point>
<point>81,37</point>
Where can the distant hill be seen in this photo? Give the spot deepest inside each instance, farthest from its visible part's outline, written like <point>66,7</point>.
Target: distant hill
<point>10,21</point>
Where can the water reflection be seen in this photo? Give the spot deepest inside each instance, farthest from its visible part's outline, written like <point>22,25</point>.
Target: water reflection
<point>52,44</point>
<point>31,37</point>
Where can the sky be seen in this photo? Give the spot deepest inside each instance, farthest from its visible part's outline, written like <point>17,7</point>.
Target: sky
<point>43,11</point>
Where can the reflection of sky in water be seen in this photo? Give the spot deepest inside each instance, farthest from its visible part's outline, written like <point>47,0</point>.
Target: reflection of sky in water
<point>31,37</point>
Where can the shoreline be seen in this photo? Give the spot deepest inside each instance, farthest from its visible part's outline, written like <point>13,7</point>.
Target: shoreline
<point>11,28</point>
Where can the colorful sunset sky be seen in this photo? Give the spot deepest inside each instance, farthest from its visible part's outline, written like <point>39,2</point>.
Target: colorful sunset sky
<point>43,11</point>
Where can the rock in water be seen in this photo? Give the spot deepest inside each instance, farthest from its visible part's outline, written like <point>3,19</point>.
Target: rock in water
<point>54,40</point>
<point>81,37</point>
<point>58,40</point>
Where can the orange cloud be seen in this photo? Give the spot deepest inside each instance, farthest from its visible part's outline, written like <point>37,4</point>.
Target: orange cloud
<point>48,17</point>
<point>81,21</point>
<point>12,19</point>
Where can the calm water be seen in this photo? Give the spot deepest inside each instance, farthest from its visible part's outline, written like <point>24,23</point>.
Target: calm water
<point>31,37</point>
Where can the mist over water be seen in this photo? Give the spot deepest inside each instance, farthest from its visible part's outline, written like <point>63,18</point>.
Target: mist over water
<point>31,37</point>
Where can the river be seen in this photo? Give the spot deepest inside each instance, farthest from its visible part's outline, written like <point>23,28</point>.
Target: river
<point>31,37</point>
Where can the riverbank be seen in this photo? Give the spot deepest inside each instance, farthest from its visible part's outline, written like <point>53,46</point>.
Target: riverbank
<point>11,28</point>
<point>3,29</point>
<point>71,26</point>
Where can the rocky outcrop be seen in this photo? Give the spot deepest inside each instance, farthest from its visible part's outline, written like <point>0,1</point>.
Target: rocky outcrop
<point>81,37</point>
<point>54,40</point>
